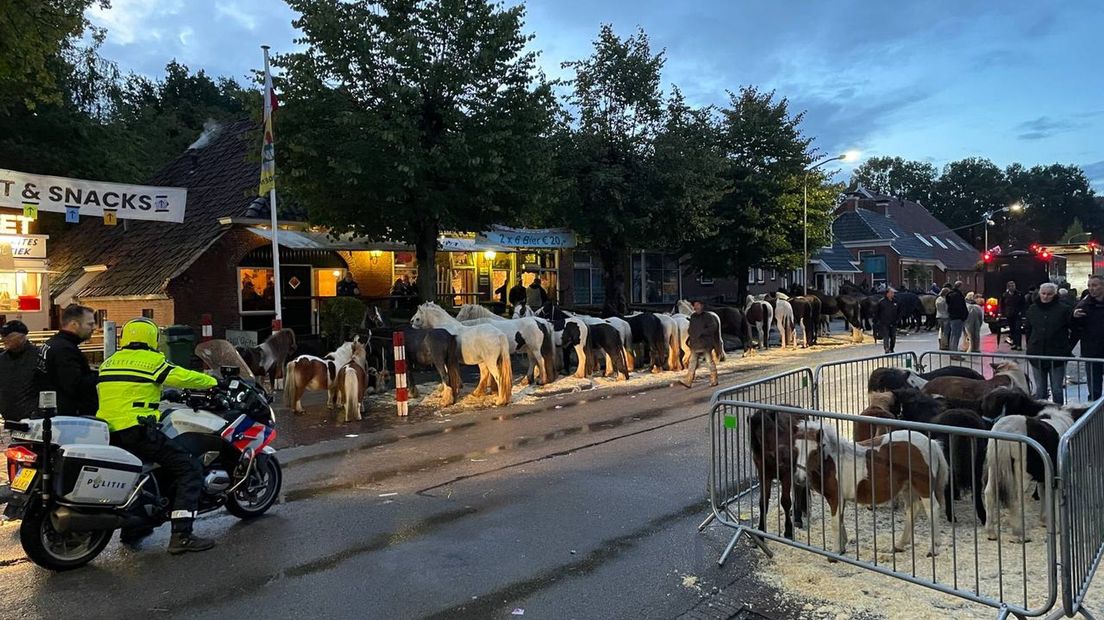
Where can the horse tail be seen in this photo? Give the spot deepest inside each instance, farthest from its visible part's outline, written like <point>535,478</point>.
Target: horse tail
<point>505,375</point>
<point>548,352</point>
<point>1001,464</point>
<point>350,393</point>
<point>289,384</point>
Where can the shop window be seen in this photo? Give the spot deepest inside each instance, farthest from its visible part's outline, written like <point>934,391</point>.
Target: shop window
<point>655,278</point>
<point>405,267</point>
<point>325,281</point>
<point>544,265</point>
<point>20,291</point>
<point>256,290</point>
<point>589,288</point>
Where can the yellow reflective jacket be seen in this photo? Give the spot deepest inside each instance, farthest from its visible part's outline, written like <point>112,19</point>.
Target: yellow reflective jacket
<point>130,385</point>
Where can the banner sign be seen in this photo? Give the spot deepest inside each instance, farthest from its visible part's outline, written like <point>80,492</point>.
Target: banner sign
<point>536,238</point>
<point>25,191</point>
<point>25,246</point>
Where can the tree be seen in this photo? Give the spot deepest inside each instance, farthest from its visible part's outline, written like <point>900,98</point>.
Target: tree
<point>433,117</point>
<point>34,35</point>
<point>640,169</point>
<point>966,190</point>
<point>1056,196</point>
<point>1075,233</point>
<point>759,223</point>
<point>894,176</point>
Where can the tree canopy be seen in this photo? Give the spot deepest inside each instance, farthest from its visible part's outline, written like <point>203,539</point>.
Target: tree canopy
<point>895,176</point>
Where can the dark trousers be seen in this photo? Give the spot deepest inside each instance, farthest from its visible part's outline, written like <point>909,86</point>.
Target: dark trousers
<point>1052,373</point>
<point>150,444</point>
<point>1095,371</point>
<point>1015,324</point>
<point>889,337</point>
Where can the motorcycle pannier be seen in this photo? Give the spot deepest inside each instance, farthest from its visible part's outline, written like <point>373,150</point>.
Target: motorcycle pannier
<point>95,474</point>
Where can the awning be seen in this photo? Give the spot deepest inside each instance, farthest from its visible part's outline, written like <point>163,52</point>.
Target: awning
<point>302,240</point>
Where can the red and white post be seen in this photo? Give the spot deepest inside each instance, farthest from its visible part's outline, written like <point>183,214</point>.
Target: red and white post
<point>398,340</point>
<point>207,329</point>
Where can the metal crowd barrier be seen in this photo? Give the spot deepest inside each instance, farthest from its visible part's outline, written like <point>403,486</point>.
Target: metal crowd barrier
<point>1014,584</point>
<point>1075,377</point>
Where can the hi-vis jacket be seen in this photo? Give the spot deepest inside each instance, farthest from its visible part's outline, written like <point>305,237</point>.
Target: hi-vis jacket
<point>130,385</point>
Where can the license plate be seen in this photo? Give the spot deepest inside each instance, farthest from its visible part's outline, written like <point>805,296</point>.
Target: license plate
<point>23,479</point>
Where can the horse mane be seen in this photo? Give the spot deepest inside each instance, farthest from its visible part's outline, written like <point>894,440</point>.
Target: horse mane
<point>684,307</point>
<point>474,311</point>
<point>1014,374</point>
<point>782,296</point>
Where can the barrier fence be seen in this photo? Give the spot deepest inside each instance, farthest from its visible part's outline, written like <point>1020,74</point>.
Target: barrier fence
<point>1074,372</point>
<point>989,566</point>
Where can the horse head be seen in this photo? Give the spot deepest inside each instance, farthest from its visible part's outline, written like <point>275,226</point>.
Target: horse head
<point>359,354</point>
<point>420,318</point>
<point>372,317</point>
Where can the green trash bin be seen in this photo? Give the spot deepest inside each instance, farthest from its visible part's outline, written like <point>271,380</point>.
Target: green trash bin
<point>179,344</point>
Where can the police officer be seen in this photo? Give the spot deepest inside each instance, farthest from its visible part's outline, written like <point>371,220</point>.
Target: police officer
<point>130,391</point>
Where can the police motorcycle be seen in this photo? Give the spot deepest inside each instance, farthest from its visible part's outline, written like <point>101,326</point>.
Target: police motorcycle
<point>72,489</point>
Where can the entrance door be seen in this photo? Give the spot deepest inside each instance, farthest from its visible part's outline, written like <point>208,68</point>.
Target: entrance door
<point>296,291</point>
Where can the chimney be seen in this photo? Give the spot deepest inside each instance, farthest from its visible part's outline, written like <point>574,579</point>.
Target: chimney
<point>848,205</point>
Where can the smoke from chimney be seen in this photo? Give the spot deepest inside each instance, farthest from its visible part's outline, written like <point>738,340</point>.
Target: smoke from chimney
<point>211,129</point>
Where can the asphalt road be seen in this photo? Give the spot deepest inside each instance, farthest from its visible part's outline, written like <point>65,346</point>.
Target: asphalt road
<point>585,506</point>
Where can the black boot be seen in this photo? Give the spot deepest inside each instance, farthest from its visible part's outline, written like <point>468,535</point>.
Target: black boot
<point>183,542</point>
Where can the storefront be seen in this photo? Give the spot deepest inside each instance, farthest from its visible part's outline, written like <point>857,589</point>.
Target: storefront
<point>24,281</point>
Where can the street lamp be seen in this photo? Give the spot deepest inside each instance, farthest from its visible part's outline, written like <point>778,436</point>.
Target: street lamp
<point>847,156</point>
<point>1071,239</point>
<point>1015,207</point>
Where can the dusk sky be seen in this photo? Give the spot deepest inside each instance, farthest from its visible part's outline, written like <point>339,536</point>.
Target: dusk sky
<point>930,80</point>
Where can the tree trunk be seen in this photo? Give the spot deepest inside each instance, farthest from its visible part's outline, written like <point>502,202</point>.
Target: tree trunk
<point>741,285</point>
<point>613,279</point>
<point>425,249</point>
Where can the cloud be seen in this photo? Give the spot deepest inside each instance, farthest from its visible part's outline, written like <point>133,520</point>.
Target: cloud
<point>1044,127</point>
<point>129,21</point>
<point>1095,174</point>
<point>235,12</point>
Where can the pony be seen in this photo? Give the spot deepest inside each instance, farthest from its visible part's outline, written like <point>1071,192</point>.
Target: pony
<point>909,310</point>
<point>878,407</point>
<point>480,345</point>
<point>619,324</point>
<point>372,318</point>
<point>523,310</point>
<point>888,379</point>
<point>438,349</point>
<point>674,345</point>
<point>271,357</point>
<point>682,324</point>
<point>873,472</point>
<point>784,317</point>
<point>306,373</point>
<point>647,330</point>
<point>598,336</point>
<point>557,315</point>
<point>218,353</point>
<point>806,311</point>
<point>1004,374</point>
<point>525,335</point>
<point>927,305</point>
<point>850,306</point>
<point>772,451</point>
<point>352,382</point>
<point>759,316</point>
<point>1008,468</point>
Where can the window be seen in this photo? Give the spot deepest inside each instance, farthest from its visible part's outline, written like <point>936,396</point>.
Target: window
<point>874,266</point>
<point>773,274</point>
<point>325,281</point>
<point>256,291</point>
<point>951,242</point>
<point>655,278</point>
<point>704,281</point>
<point>20,291</point>
<point>404,266</point>
<point>589,288</point>
<point>147,313</point>
<point>923,240</point>
<point>938,242</point>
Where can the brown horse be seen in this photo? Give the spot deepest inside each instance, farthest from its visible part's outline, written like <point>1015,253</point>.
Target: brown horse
<point>1005,374</point>
<point>880,403</point>
<point>772,450</point>
<point>308,373</point>
<point>352,383</point>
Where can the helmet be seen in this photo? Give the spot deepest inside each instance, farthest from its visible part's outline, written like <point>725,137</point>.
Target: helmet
<point>140,334</point>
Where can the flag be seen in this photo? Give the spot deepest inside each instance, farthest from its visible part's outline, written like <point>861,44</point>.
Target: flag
<point>268,146</point>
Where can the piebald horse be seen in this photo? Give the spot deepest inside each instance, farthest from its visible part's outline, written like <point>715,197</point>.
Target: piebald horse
<point>268,360</point>
<point>352,383</point>
<point>529,335</point>
<point>759,316</point>
<point>480,345</point>
<point>308,373</point>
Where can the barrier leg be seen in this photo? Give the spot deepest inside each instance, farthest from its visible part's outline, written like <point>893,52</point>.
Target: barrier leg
<point>759,542</point>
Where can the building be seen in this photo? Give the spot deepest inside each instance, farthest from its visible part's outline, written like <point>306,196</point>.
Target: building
<point>24,273</point>
<point>900,243</point>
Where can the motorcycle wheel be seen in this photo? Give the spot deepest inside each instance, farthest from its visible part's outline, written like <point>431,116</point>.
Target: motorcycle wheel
<point>259,492</point>
<point>58,551</point>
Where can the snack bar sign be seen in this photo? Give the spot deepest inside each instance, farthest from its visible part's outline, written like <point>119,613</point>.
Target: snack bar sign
<point>32,192</point>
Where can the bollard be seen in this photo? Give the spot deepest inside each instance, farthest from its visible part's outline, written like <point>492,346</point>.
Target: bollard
<point>111,342</point>
<point>207,330</point>
<point>399,342</point>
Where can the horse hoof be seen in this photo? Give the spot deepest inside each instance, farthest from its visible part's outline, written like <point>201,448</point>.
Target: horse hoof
<point>991,536</point>
<point>898,549</point>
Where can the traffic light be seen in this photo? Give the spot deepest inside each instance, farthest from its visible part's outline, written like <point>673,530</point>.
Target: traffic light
<point>1044,255</point>
<point>987,257</point>
<point>1034,247</point>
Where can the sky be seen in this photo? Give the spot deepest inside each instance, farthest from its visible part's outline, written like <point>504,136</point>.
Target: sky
<point>929,80</point>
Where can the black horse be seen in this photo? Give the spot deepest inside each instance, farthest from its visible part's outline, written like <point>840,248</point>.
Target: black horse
<point>424,349</point>
<point>647,330</point>
<point>600,336</point>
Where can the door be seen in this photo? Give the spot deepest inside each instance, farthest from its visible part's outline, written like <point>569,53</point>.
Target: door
<point>296,291</point>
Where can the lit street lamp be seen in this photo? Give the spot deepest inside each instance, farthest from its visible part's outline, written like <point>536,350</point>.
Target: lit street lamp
<point>987,220</point>
<point>848,156</point>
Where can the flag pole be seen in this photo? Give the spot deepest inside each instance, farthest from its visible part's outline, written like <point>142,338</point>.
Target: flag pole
<point>277,292</point>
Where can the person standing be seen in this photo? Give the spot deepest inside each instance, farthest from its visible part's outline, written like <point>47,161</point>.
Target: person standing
<point>62,367</point>
<point>1049,333</point>
<point>956,315</point>
<point>1088,321</point>
<point>18,367</point>
<point>1012,307</point>
<point>347,287</point>
<point>885,317</point>
<point>703,338</point>
<point>517,294</point>
<point>941,317</point>
<point>535,295</point>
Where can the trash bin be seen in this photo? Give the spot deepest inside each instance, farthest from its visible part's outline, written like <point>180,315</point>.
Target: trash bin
<point>179,344</point>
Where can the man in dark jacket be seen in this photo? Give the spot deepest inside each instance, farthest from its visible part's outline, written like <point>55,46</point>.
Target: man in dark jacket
<point>703,337</point>
<point>885,317</point>
<point>1012,307</point>
<point>517,294</point>
<point>1049,325</point>
<point>956,315</point>
<point>63,368</point>
<point>1088,322</point>
<point>347,287</point>
<point>18,365</point>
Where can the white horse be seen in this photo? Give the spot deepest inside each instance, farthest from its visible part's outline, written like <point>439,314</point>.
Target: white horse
<point>535,341</point>
<point>622,326</point>
<point>682,323</point>
<point>686,308</point>
<point>522,310</point>
<point>480,345</point>
<point>784,318</point>
<point>671,335</point>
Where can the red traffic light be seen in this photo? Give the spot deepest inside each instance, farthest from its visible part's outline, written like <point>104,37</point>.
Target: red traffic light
<point>987,257</point>
<point>1093,244</point>
<point>1034,247</point>
<point>1044,255</point>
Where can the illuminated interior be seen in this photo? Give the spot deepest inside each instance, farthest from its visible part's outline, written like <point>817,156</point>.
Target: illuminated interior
<point>20,291</point>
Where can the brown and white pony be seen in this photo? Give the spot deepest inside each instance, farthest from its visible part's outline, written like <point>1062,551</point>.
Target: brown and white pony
<point>873,472</point>
<point>309,373</point>
<point>772,450</point>
<point>351,384</point>
<point>269,359</point>
<point>1005,374</point>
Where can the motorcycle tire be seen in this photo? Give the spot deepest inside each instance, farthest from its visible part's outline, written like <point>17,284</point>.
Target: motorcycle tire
<point>48,548</point>
<point>252,501</point>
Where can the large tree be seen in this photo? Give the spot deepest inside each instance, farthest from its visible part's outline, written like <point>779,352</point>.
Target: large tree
<point>641,169</point>
<point>404,118</point>
<point>759,223</point>
<point>895,176</point>
<point>965,191</point>
<point>1056,196</point>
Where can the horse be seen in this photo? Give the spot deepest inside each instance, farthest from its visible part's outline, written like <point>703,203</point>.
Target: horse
<point>597,336</point>
<point>927,305</point>
<point>873,472</point>
<point>218,353</point>
<point>533,341</point>
<point>878,407</point>
<point>1004,374</point>
<point>647,329</point>
<point>806,312</point>
<point>784,317</point>
<point>772,451</point>
<point>306,373</point>
<point>682,324</point>
<point>850,306</point>
<point>908,310</point>
<point>438,349</point>
<point>372,318</point>
<point>888,379</point>
<point>1007,467</point>
<point>352,382</point>
<point>674,345</point>
<point>557,315</point>
<point>480,345</point>
<point>619,324</point>
<point>271,357</point>
<point>523,310</point>
<point>759,317</point>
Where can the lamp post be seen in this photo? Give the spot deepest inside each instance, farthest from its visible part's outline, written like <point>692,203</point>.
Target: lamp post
<point>987,220</point>
<point>1071,239</point>
<point>848,156</point>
